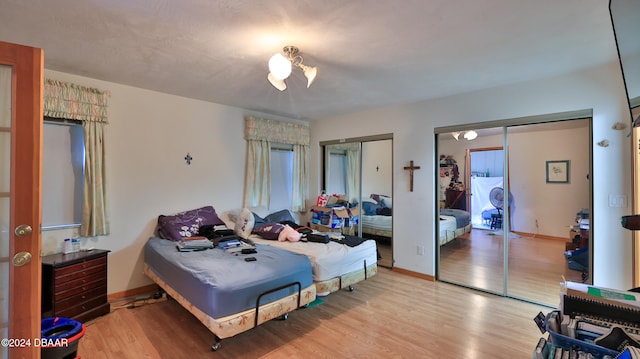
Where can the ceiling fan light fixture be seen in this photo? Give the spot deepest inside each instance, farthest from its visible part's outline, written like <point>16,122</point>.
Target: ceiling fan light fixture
<point>456,135</point>
<point>470,135</point>
<point>277,83</point>
<point>310,72</point>
<point>280,67</point>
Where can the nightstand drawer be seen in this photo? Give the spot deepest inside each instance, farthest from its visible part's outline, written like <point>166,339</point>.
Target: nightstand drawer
<point>80,298</point>
<point>79,286</point>
<point>81,307</point>
<point>82,267</point>
<point>74,280</point>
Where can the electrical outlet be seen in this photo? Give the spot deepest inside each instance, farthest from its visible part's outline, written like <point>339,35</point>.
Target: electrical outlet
<point>617,201</point>
<point>420,250</point>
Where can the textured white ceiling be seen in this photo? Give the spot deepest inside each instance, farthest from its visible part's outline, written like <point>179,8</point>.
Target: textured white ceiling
<point>369,53</point>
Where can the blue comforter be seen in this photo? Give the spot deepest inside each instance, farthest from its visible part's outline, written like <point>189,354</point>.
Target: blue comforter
<point>463,218</point>
<point>220,283</point>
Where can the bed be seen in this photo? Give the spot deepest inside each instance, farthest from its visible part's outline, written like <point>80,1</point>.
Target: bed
<point>377,225</point>
<point>334,265</point>
<point>226,293</point>
<point>453,224</point>
<point>376,217</point>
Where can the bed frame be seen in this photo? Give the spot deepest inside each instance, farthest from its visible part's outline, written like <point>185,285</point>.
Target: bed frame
<point>240,322</point>
<point>451,235</point>
<point>347,280</point>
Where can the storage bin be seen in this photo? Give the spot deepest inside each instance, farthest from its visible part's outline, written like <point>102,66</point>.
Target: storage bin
<point>60,338</point>
<point>578,259</point>
<point>564,341</point>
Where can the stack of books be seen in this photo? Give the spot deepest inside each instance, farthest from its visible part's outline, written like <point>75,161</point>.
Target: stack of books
<point>234,246</point>
<point>194,245</point>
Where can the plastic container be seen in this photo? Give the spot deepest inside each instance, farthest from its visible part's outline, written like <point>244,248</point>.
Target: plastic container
<point>564,341</point>
<point>60,337</point>
<point>75,245</point>
<point>578,259</point>
<point>67,246</point>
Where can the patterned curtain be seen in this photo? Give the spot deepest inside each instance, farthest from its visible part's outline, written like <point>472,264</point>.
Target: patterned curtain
<point>89,105</point>
<point>300,177</point>
<point>258,179</point>
<point>352,151</point>
<point>258,173</point>
<point>353,172</point>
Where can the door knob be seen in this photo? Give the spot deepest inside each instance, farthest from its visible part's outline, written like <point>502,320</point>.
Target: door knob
<point>21,258</point>
<point>23,230</point>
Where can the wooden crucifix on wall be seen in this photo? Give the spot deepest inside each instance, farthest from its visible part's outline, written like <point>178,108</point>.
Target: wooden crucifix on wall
<point>411,168</point>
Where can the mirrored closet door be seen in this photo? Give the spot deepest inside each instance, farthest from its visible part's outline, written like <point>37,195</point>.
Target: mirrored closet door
<point>527,204</point>
<point>360,170</point>
<point>624,17</point>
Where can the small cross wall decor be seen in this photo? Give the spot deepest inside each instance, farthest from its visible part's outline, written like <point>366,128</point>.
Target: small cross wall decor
<point>411,168</point>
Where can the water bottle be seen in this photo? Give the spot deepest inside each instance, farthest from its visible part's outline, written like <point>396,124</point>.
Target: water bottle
<point>75,245</point>
<point>67,246</point>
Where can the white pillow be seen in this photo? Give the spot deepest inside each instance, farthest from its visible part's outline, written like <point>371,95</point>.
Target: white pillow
<point>386,201</point>
<point>244,224</point>
<point>230,217</point>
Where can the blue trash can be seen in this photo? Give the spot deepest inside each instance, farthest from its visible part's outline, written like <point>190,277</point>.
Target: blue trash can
<point>59,338</point>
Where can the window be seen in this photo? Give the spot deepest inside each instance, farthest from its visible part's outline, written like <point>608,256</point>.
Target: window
<point>62,174</point>
<point>281,177</point>
<point>338,173</point>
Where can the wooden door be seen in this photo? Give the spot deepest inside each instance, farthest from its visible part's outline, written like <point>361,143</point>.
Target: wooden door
<point>21,82</point>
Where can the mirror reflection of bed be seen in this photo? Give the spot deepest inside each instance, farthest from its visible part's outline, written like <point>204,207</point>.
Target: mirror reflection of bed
<point>362,169</point>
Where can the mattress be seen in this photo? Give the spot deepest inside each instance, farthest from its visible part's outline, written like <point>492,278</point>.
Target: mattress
<point>219,283</point>
<point>329,260</point>
<point>376,223</point>
<point>448,227</point>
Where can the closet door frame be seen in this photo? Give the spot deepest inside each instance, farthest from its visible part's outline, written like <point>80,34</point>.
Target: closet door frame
<point>505,125</point>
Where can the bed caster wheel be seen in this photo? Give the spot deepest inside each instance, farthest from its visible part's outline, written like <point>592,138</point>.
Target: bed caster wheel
<point>216,345</point>
<point>351,288</point>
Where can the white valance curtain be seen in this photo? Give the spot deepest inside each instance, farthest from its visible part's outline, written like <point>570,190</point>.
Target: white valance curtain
<point>260,133</point>
<point>89,105</point>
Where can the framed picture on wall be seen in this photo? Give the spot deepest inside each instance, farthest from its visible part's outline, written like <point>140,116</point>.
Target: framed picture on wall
<point>558,171</point>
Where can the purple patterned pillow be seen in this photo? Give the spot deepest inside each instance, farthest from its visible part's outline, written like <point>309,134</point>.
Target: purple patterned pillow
<point>269,230</point>
<point>186,224</point>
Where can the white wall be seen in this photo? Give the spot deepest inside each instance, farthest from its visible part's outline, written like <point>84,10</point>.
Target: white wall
<point>413,127</point>
<point>148,136</point>
<point>376,168</point>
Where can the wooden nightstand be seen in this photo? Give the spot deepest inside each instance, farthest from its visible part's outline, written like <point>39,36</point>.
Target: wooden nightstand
<point>75,285</point>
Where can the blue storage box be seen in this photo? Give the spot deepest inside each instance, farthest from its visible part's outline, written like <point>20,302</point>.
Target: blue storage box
<point>564,341</point>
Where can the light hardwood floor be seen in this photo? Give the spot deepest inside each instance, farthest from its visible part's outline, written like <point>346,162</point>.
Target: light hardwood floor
<point>391,315</point>
<point>536,265</point>
<point>385,252</point>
